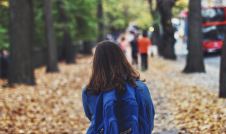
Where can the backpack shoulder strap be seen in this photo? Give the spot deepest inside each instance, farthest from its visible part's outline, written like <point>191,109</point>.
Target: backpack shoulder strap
<point>98,116</point>
<point>109,97</point>
<point>109,112</point>
<point>144,125</point>
<point>130,92</point>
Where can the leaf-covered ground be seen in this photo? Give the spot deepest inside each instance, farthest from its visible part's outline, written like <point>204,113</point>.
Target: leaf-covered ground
<point>54,104</point>
<point>183,105</point>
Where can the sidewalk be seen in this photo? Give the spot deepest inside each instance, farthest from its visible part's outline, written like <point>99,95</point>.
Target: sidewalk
<point>184,103</point>
<point>54,105</point>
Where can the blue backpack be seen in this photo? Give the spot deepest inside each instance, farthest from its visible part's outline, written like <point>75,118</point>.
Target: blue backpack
<point>124,114</point>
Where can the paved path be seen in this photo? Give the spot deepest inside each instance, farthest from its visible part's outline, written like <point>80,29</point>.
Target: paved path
<point>182,101</point>
<point>210,79</point>
<point>213,61</point>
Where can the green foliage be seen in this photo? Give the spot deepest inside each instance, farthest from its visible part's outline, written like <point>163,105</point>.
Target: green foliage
<point>4,43</point>
<point>4,37</point>
<point>179,6</point>
<point>119,13</point>
<point>81,19</point>
<point>81,22</point>
<point>39,35</point>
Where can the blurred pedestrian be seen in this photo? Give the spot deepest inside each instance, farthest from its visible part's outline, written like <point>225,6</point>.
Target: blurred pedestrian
<point>4,63</point>
<point>115,100</point>
<point>143,44</point>
<point>109,37</point>
<point>134,47</point>
<point>123,44</point>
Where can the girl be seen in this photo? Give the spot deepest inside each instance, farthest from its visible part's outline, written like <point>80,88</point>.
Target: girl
<point>115,100</point>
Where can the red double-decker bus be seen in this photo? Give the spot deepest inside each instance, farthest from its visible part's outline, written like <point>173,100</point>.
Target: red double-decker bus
<point>214,24</point>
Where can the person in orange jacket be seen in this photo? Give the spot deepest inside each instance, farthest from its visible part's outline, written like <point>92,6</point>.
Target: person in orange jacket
<point>143,43</point>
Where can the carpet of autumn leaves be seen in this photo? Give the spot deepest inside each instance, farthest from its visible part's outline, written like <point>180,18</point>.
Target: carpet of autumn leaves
<point>183,105</point>
<point>54,104</point>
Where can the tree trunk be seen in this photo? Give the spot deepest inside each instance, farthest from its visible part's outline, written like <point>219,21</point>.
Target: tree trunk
<point>87,47</point>
<point>222,93</point>
<point>195,61</point>
<point>67,41</point>
<point>50,38</point>
<point>100,20</point>
<point>21,40</point>
<point>156,33</point>
<point>168,40</point>
<point>69,49</point>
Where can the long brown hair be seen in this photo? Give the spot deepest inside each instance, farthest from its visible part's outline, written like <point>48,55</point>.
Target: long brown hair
<point>110,69</point>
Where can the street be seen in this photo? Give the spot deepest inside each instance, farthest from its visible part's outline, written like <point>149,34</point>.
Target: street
<point>210,60</point>
<point>213,60</point>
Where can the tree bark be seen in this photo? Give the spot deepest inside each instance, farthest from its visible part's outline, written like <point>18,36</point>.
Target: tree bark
<point>156,33</point>
<point>67,41</point>
<point>21,40</point>
<point>69,49</point>
<point>100,20</point>
<point>87,47</point>
<point>222,92</point>
<point>195,61</point>
<point>168,40</point>
<point>50,38</point>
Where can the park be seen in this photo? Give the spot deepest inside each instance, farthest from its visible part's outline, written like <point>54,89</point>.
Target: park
<point>47,48</point>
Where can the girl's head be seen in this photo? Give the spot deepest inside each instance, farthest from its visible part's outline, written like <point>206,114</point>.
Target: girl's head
<point>110,69</point>
<point>123,38</point>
